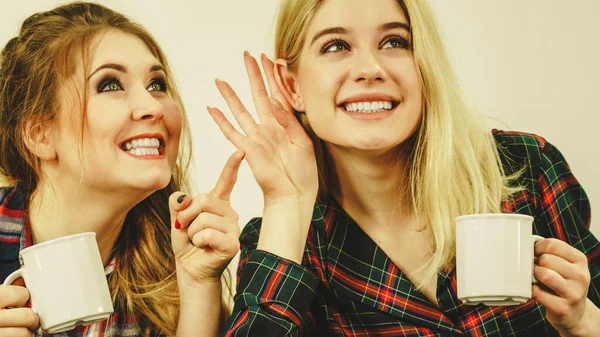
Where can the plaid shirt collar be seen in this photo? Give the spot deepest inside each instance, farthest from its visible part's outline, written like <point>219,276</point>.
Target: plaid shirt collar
<point>15,231</point>
<point>353,256</point>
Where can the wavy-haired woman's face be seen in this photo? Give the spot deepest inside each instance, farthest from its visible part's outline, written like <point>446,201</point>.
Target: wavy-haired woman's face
<point>131,127</point>
<point>357,78</point>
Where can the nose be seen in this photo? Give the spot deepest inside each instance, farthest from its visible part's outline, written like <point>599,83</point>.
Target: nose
<point>144,106</point>
<point>368,68</point>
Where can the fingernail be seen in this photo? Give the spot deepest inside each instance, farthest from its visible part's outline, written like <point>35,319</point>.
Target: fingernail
<point>246,53</point>
<point>217,80</point>
<point>181,198</point>
<point>177,224</point>
<point>262,55</point>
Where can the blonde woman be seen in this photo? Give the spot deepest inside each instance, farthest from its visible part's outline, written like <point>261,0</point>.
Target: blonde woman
<point>398,157</point>
<point>90,128</point>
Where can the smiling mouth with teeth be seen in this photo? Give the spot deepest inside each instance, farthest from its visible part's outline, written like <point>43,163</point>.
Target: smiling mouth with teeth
<point>369,107</point>
<point>144,147</point>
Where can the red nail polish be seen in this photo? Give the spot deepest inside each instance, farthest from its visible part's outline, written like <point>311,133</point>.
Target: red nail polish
<point>177,224</point>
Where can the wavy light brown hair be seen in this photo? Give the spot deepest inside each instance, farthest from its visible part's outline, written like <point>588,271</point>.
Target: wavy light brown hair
<point>33,67</point>
<point>454,166</point>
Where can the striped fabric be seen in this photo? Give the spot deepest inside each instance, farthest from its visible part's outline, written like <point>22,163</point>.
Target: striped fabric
<point>16,235</point>
<point>347,286</point>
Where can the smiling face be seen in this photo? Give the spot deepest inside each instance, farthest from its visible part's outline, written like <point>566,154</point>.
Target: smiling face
<point>357,80</point>
<point>131,126</point>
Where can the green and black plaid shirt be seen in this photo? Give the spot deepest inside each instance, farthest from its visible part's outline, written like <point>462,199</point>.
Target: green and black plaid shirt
<point>347,286</point>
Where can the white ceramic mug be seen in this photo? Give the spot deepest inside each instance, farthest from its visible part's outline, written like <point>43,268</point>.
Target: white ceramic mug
<point>494,258</point>
<point>66,281</point>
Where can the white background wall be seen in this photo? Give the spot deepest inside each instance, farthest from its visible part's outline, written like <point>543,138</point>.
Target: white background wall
<point>531,64</point>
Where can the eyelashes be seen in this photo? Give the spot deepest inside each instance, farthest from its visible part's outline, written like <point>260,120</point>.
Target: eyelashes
<point>396,41</point>
<point>338,44</point>
<point>110,84</point>
<point>114,83</point>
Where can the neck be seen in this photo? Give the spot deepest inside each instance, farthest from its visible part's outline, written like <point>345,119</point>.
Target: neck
<point>372,188</point>
<point>64,208</point>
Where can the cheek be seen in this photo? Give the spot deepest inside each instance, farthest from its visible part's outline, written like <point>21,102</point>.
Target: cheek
<point>172,119</point>
<point>319,87</point>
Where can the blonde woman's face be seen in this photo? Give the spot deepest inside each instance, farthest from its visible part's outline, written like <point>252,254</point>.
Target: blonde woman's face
<point>131,128</point>
<point>357,79</point>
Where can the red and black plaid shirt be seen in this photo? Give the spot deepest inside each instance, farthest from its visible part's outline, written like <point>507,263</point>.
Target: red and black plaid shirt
<point>15,235</point>
<point>347,286</point>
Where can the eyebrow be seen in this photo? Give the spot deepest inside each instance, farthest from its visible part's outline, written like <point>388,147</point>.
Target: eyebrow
<point>122,68</point>
<point>342,30</point>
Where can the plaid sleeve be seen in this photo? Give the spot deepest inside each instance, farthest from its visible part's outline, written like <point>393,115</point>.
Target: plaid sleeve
<point>566,209</point>
<point>273,294</point>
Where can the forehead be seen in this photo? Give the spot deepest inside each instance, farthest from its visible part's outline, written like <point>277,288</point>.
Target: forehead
<point>356,15</point>
<point>118,47</point>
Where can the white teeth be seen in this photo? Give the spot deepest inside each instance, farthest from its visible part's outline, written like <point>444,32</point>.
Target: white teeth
<point>143,146</point>
<point>368,107</point>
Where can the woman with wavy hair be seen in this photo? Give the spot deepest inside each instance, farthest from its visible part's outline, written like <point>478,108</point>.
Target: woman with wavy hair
<point>90,130</point>
<point>385,144</point>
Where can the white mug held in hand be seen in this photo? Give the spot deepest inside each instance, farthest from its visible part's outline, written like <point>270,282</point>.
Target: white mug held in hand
<point>66,281</point>
<point>494,258</point>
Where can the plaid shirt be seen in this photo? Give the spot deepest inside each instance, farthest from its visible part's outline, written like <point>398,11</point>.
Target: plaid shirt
<point>15,235</point>
<point>347,286</point>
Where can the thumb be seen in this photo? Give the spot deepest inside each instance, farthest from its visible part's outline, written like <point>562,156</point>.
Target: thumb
<point>178,201</point>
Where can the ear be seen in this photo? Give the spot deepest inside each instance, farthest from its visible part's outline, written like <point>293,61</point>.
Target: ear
<point>288,84</point>
<point>39,140</point>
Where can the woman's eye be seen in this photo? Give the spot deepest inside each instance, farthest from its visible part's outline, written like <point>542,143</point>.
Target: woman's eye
<point>335,46</point>
<point>111,84</point>
<point>158,85</point>
<point>396,42</point>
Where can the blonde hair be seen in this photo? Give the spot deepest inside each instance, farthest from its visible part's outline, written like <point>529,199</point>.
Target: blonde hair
<point>453,163</point>
<point>33,66</point>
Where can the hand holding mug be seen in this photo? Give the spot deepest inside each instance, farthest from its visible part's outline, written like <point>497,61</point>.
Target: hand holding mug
<point>66,284</point>
<point>564,280</point>
<point>15,318</point>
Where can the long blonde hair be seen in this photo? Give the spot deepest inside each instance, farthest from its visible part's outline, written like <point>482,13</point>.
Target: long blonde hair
<point>33,66</point>
<point>454,165</point>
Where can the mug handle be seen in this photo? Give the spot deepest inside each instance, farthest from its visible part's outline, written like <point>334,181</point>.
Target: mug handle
<point>14,275</point>
<point>536,238</point>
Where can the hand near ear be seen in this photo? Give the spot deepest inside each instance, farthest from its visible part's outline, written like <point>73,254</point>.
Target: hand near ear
<point>278,150</point>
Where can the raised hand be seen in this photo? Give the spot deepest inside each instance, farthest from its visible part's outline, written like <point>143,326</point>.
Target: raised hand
<point>563,271</point>
<point>15,318</point>
<point>278,150</point>
<point>205,229</point>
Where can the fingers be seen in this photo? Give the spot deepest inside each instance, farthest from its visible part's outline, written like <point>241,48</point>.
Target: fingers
<point>218,241</point>
<point>19,317</point>
<point>241,115</point>
<point>553,303</point>
<point>15,332</point>
<point>205,203</point>
<point>561,266</point>
<point>233,135</point>
<point>228,177</point>
<point>552,280</point>
<point>211,221</point>
<point>559,248</point>
<point>269,68</point>
<point>13,296</point>
<point>178,201</point>
<point>260,96</point>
